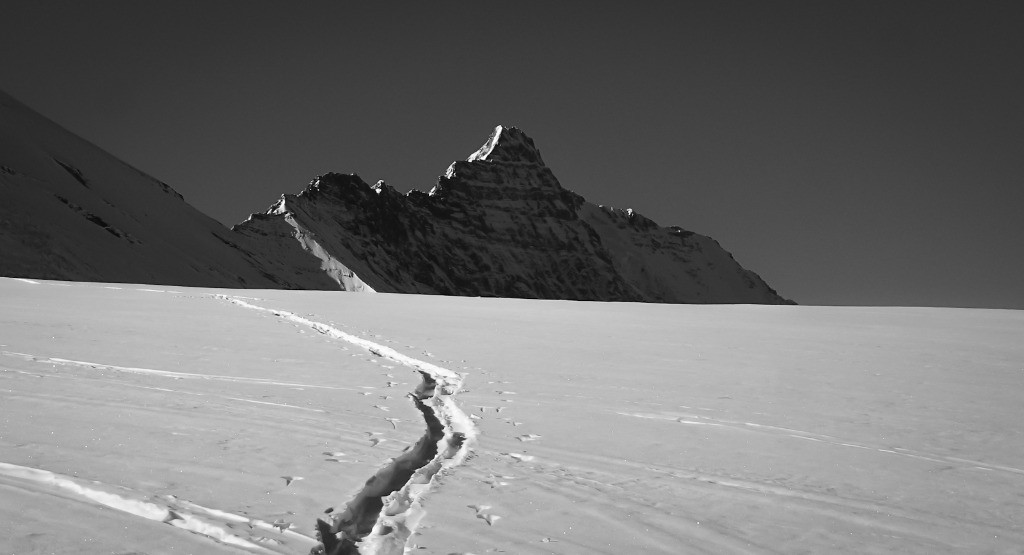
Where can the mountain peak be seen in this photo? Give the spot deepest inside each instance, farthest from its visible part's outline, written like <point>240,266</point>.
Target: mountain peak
<point>508,144</point>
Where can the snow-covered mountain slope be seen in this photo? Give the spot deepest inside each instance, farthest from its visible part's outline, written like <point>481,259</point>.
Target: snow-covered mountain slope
<point>498,224</point>
<point>233,424</point>
<point>69,210</point>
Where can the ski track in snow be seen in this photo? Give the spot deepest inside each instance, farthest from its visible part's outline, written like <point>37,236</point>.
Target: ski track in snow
<point>593,484</point>
<point>692,419</point>
<point>384,515</point>
<point>215,524</point>
<point>94,365</point>
<point>166,373</point>
<point>586,481</point>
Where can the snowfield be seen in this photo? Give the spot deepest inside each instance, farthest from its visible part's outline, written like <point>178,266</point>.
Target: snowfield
<point>142,419</point>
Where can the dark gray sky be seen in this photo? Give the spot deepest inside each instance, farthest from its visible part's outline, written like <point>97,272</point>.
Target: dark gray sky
<point>850,153</point>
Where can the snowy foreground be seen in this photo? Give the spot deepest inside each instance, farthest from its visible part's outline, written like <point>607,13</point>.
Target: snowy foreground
<point>140,419</point>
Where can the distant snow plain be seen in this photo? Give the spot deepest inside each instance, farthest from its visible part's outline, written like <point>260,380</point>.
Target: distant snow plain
<point>153,419</point>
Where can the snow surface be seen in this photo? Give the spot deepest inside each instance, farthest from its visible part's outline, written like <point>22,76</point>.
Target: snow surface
<point>181,420</point>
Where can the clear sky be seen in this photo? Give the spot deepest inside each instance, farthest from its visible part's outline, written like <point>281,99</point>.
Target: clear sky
<point>850,153</point>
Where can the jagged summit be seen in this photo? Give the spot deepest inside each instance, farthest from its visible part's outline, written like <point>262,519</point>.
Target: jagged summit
<point>508,144</point>
<point>497,224</point>
<point>508,164</point>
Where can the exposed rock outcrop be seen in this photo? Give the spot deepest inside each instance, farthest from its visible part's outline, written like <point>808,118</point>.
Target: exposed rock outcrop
<point>497,224</point>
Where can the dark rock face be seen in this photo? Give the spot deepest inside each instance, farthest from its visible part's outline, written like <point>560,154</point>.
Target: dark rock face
<point>497,224</point>
<point>70,211</point>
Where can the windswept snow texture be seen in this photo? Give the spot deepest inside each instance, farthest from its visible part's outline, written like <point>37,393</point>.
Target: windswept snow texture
<point>156,420</point>
<point>498,225</point>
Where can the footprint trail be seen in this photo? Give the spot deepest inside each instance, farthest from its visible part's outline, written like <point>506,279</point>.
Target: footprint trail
<point>382,517</point>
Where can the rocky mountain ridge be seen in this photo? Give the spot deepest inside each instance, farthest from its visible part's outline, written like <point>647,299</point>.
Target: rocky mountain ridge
<point>497,224</point>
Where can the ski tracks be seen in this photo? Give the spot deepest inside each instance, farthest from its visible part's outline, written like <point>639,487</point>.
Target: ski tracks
<point>382,517</point>
<point>699,420</point>
<point>254,535</point>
